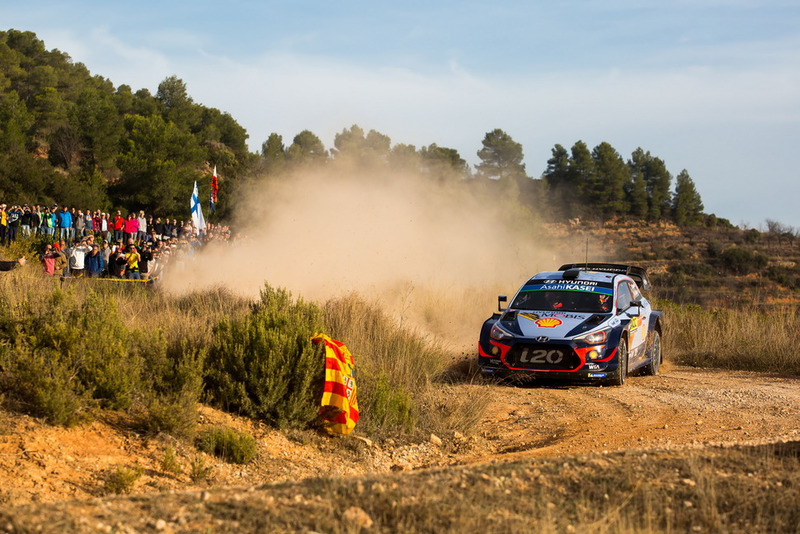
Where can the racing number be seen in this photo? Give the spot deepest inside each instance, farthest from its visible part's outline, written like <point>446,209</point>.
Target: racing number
<point>541,356</point>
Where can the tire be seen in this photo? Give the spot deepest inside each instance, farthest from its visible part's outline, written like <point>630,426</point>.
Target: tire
<point>622,372</point>
<point>651,369</point>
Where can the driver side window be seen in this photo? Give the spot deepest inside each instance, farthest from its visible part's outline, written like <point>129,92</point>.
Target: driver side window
<point>624,298</point>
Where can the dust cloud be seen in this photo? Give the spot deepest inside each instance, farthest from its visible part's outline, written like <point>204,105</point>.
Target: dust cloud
<point>433,255</point>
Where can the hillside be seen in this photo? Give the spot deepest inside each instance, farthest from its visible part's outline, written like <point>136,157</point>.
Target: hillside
<point>724,267</point>
<point>559,452</point>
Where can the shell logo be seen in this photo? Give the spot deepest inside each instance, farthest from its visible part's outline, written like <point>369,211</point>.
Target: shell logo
<point>548,322</point>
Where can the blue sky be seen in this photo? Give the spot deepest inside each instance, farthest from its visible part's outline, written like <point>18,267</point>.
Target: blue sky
<point>710,86</point>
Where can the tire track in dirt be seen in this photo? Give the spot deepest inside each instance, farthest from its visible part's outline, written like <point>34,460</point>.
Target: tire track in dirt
<point>680,407</point>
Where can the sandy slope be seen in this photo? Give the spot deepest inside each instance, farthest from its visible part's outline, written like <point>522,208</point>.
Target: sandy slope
<point>680,407</point>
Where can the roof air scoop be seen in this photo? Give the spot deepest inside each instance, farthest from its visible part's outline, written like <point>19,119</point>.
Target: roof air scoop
<point>571,274</point>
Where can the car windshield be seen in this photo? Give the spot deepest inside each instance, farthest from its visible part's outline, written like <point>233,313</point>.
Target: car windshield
<point>562,300</point>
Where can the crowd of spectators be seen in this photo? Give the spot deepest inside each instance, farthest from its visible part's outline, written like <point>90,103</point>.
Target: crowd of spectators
<point>91,243</point>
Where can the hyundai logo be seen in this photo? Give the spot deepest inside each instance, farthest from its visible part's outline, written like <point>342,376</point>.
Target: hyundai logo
<point>542,339</point>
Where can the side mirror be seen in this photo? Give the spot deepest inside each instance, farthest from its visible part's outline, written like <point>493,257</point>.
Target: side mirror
<point>637,304</point>
<point>501,299</point>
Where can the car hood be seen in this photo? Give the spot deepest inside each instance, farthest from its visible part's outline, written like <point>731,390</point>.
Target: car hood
<point>556,325</point>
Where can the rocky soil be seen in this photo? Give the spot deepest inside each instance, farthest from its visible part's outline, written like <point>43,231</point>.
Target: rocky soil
<point>48,472</point>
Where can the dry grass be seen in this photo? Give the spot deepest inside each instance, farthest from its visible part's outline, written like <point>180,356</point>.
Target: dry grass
<point>741,490</point>
<point>402,373</point>
<point>734,339</point>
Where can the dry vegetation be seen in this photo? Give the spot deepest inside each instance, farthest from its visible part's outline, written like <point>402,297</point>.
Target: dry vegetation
<point>742,489</point>
<point>719,313</point>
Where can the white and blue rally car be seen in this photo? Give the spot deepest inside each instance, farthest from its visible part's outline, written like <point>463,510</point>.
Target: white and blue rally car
<point>585,321</point>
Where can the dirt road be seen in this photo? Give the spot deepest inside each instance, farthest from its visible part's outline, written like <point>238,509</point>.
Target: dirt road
<point>680,407</point>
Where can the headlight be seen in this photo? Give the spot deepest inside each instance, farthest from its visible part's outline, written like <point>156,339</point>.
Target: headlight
<point>594,338</point>
<point>499,334</point>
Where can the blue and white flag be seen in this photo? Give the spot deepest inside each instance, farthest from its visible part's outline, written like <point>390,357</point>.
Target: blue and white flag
<point>197,210</point>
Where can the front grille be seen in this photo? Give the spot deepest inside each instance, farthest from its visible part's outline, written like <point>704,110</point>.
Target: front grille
<point>542,357</point>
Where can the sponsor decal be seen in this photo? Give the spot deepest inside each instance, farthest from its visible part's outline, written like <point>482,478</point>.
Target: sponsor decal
<point>529,316</point>
<point>541,356</point>
<point>636,322</point>
<point>588,286</point>
<point>592,366</point>
<point>597,375</point>
<point>548,322</point>
<point>562,315</point>
<point>572,282</point>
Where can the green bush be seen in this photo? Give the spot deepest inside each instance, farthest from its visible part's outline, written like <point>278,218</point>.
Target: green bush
<point>742,261</point>
<point>389,407</point>
<point>121,479</point>
<point>199,470</point>
<point>173,376</point>
<point>62,357</point>
<point>228,444</point>
<point>169,464</point>
<point>265,366</point>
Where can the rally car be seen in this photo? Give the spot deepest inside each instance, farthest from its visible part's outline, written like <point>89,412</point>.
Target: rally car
<point>586,321</point>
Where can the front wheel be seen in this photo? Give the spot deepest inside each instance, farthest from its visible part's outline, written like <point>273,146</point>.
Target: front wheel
<point>622,372</point>
<point>651,368</point>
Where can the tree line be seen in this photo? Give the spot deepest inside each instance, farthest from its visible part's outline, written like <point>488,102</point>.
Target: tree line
<point>71,137</point>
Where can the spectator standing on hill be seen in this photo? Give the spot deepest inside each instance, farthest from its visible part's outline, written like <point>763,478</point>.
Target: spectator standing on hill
<point>133,258</point>
<point>65,224</point>
<point>61,264</point>
<point>73,231</point>
<point>131,228</point>
<point>105,227</point>
<point>49,257</point>
<point>88,223</point>
<point>14,216</point>
<point>141,231</point>
<point>119,226</point>
<point>105,252</point>
<point>96,223</point>
<point>77,259</point>
<point>36,220</point>
<point>25,221</point>
<point>117,262</point>
<point>94,263</point>
<point>79,223</point>
<point>166,230</point>
<point>3,223</point>
<point>145,257</point>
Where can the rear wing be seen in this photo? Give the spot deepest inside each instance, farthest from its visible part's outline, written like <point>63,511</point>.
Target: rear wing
<point>639,274</point>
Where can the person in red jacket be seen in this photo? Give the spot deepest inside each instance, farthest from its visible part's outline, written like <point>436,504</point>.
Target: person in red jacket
<point>118,222</point>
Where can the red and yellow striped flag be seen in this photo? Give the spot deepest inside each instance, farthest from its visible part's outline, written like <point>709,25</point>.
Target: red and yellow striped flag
<point>339,403</point>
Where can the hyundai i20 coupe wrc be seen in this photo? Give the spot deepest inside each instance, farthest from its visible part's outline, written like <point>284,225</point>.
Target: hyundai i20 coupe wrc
<point>586,321</point>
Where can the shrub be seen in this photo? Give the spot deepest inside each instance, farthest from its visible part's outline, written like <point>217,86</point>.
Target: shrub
<point>63,355</point>
<point>169,463</point>
<point>228,444</point>
<point>121,479</point>
<point>390,407</point>
<point>199,470</point>
<point>265,366</point>
<point>742,261</point>
<point>174,378</point>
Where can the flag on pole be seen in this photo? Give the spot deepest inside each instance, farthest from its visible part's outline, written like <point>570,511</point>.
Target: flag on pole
<point>197,210</point>
<point>214,190</point>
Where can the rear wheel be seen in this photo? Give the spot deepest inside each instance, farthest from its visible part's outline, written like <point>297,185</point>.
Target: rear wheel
<point>655,356</point>
<point>622,354</point>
